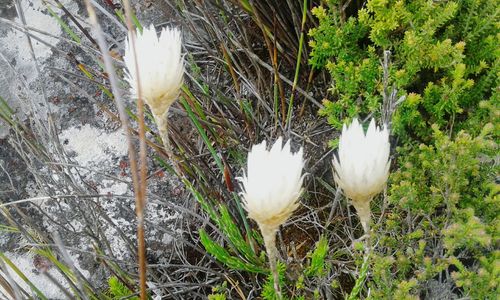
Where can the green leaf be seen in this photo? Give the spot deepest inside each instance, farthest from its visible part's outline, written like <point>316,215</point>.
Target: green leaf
<point>22,276</point>
<point>317,265</point>
<point>223,255</point>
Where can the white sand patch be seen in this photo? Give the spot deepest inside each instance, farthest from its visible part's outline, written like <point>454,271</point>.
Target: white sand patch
<point>25,264</point>
<point>118,244</point>
<point>36,16</point>
<point>93,147</point>
<point>167,238</point>
<point>114,188</point>
<point>16,60</point>
<point>15,42</point>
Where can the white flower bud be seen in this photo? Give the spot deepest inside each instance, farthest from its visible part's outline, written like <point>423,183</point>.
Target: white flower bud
<point>273,183</point>
<point>362,166</point>
<point>160,67</point>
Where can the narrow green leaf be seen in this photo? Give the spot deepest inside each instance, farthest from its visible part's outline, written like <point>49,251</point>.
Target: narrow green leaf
<point>64,26</point>
<point>22,276</point>
<point>222,255</point>
<point>204,136</point>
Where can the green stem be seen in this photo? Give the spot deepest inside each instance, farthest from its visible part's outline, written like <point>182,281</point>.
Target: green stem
<point>162,123</point>
<point>269,235</point>
<point>362,275</point>
<point>364,213</point>
<point>297,67</point>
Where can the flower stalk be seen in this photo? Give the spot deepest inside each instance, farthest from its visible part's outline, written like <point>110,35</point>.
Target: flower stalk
<point>364,213</point>
<point>361,171</point>
<point>162,124</point>
<point>155,72</point>
<point>271,189</point>
<point>269,236</point>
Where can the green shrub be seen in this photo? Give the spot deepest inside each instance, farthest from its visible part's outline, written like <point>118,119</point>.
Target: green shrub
<point>445,59</point>
<point>441,220</point>
<point>444,216</point>
<point>118,290</point>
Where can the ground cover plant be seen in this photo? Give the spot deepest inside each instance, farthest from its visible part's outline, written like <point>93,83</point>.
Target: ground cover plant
<point>256,70</point>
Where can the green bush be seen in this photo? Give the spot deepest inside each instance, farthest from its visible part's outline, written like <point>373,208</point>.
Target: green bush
<point>442,212</point>
<point>445,59</point>
<point>444,216</point>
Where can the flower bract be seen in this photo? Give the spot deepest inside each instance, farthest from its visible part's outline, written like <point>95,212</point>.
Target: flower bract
<point>272,184</point>
<point>160,67</point>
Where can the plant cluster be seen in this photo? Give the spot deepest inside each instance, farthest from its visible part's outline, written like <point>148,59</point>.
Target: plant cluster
<point>440,222</point>
<point>437,222</point>
<point>445,58</point>
<point>226,104</point>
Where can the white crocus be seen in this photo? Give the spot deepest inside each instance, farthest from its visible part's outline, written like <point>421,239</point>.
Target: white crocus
<point>271,189</point>
<point>362,166</point>
<point>160,70</point>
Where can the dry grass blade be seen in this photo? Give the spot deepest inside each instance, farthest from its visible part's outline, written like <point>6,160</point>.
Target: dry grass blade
<point>76,22</point>
<point>9,284</point>
<point>138,173</point>
<point>142,172</point>
<point>7,288</point>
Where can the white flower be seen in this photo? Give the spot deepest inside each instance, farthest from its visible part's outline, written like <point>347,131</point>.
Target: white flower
<point>160,67</point>
<point>362,167</point>
<point>273,184</point>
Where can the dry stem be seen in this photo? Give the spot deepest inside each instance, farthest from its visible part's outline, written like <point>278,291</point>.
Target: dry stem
<point>139,173</point>
<point>140,193</point>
